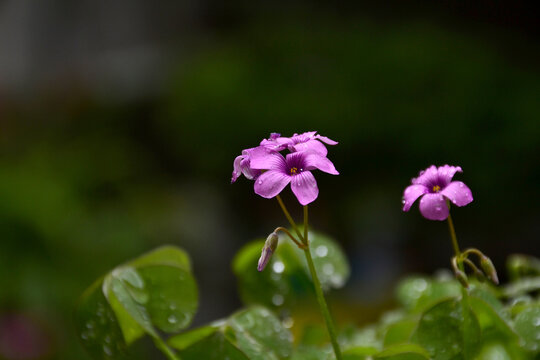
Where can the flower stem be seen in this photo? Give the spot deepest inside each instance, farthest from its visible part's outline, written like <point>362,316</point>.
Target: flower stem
<point>166,350</point>
<point>289,218</point>
<point>318,290</point>
<point>453,236</point>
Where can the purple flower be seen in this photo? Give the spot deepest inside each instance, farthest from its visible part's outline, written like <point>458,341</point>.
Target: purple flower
<point>241,166</point>
<point>306,141</point>
<point>434,185</point>
<point>295,168</point>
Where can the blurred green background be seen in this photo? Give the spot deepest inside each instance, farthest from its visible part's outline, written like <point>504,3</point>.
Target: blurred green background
<point>119,124</point>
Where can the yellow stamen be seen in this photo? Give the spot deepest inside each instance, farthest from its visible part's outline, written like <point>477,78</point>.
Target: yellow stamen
<point>294,170</point>
<point>436,188</point>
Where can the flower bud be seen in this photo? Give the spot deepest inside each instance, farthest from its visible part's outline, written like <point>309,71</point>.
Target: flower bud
<point>268,249</point>
<point>462,278</point>
<point>489,269</point>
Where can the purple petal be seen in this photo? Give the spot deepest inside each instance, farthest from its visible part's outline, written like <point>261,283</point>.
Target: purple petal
<point>310,145</point>
<point>263,159</point>
<point>304,186</point>
<point>433,207</point>
<point>428,177</point>
<point>270,183</point>
<point>265,257</point>
<point>326,140</point>
<point>458,193</point>
<point>447,172</point>
<point>237,170</point>
<point>316,161</point>
<point>412,193</point>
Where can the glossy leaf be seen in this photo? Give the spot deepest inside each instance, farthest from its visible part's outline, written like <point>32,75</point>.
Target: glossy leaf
<point>403,352</point>
<point>418,293</point>
<point>154,291</point>
<point>254,333</point>
<point>527,325</point>
<point>286,281</point>
<point>98,326</point>
<point>446,331</point>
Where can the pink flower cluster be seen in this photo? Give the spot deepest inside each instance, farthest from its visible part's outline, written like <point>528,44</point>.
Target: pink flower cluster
<point>272,171</point>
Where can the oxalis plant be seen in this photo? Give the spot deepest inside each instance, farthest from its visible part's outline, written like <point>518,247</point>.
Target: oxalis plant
<point>457,314</point>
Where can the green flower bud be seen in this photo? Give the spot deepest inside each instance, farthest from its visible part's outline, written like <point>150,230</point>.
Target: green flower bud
<point>489,269</point>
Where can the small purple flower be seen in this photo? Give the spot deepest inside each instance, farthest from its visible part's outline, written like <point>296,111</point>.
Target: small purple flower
<point>241,166</point>
<point>295,168</point>
<point>434,185</point>
<point>306,141</point>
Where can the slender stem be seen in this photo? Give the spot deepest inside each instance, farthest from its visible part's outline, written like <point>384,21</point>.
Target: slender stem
<point>288,216</point>
<point>298,243</point>
<point>318,291</point>
<point>453,236</point>
<point>166,350</point>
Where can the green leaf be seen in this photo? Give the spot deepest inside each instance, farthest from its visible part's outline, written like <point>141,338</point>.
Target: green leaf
<point>445,330</point>
<point>154,291</point>
<point>329,260</point>
<point>213,347</point>
<point>306,352</point>
<point>527,325</point>
<point>98,327</point>
<point>399,331</point>
<point>286,281</point>
<point>488,317</point>
<point>418,293</point>
<point>254,333</point>
<point>403,352</point>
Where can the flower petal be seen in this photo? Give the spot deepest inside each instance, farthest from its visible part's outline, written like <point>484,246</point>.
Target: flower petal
<point>270,183</point>
<point>428,177</point>
<point>458,193</point>
<point>310,145</point>
<point>264,159</point>
<point>317,161</point>
<point>412,193</point>
<point>433,207</point>
<point>237,169</point>
<point>447,172</point>
<point>304,186</point>
<point>326,140</point>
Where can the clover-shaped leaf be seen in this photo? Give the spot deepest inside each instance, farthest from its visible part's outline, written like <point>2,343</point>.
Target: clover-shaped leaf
<point>286,280</point>
<point>254,333</point>
<point>155,292</point>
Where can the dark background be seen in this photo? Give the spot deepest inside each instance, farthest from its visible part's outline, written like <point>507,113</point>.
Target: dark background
<point>119,123</point>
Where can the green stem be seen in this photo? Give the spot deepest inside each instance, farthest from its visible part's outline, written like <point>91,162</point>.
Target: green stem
<point>318,291</point>
<point>166,350</point>
<point>453,236</point>
<point>289,218</point>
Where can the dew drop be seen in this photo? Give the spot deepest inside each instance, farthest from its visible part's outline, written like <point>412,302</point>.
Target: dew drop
<point>321,251</point>
<point>277,299</point>
<point>278,267</point>
<point>107,350</point>
<point>328,269</point>
<point>288,322</point>
<point>172,319</point>
<point>260,182</point>
<point>172,306</point>
<point>437,208</point>
<point>403,201</point>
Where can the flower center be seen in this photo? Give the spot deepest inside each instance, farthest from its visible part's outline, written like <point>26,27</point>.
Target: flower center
<point>436,188</point>
<point>294,170</point>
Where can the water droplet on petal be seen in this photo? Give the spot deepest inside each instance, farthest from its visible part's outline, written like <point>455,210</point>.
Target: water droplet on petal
<point>260,182</point>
